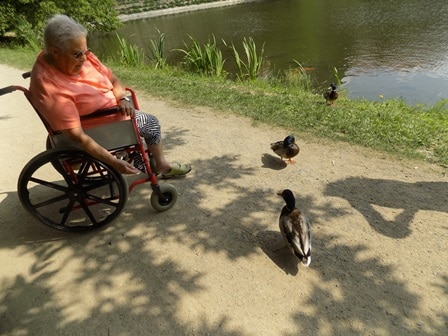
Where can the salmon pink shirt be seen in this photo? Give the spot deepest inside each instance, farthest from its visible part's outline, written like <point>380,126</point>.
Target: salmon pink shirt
<point>61,99</point>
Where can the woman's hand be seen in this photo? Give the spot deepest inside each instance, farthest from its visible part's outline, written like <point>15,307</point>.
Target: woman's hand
<point>125,167</point>
<point>126,108</point>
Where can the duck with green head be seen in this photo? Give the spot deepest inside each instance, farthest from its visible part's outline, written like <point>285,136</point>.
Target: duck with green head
<point>331,95</point>
<point>295,228</point>
<point>286,149</point>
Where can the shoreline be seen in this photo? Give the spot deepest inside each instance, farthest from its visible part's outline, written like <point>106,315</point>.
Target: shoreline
<point>182,9</point>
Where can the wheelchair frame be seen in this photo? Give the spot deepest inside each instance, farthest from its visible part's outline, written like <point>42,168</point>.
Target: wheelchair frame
<point>91,193</point>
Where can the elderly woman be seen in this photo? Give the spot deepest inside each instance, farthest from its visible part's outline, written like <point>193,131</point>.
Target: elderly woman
<point>69,81</point>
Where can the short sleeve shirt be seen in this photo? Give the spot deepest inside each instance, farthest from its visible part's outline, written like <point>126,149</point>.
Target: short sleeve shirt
<point>61,99</point>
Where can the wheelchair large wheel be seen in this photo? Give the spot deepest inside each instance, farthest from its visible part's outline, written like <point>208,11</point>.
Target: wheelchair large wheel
<point>70,190</point>
<point>166,199</point>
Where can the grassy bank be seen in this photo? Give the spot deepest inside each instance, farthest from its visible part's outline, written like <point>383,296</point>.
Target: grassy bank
<point>390,126</point>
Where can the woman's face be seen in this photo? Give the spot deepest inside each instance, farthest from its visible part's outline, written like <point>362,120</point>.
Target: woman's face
<point>70,60</point>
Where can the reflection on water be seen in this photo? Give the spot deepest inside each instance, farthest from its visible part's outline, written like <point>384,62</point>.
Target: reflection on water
<point>391,48</point>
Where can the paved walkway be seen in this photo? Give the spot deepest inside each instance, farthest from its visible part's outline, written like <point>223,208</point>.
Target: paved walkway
<point>182,9</point>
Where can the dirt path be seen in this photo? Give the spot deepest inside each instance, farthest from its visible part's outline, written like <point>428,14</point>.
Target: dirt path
<point>215,264</point>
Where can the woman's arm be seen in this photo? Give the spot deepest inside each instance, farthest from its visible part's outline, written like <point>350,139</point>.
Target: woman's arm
<point>120,92</point>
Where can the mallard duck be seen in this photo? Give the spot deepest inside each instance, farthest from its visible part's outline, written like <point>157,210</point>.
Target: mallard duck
<point>331,95</point>
<point>286,148</point>
<point>295,228</point>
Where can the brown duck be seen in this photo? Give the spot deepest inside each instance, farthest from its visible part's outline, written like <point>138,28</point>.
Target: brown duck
<point>331,95</point>
<point>286,149</point>
<point>295,228</point>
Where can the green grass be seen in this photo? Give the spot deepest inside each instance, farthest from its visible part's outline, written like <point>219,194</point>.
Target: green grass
<point>392,126</point>
<point>20,58</point>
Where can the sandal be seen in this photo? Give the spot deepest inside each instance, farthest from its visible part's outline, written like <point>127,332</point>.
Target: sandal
<point>178,169</point>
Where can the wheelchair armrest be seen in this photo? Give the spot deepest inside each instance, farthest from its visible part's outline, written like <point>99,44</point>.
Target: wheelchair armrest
<point>105,112</point>
<point>101,113</point>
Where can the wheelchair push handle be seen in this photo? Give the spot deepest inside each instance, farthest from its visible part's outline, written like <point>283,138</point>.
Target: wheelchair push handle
<point>12,88</point>
<point>7,89</point>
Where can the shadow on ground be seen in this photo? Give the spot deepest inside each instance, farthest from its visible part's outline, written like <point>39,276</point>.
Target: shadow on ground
<point>105,259</point>
<point>364,194</point>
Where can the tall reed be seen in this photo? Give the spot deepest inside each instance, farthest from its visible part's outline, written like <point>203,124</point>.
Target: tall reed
<point>298,77</point>
<point>206,59</point>
<point>157,53</point>
<point>250,67</point>
<point>337,77</point>
<point>130,54</point>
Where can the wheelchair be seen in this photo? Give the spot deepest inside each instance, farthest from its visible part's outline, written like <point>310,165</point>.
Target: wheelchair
<point>67,189</point>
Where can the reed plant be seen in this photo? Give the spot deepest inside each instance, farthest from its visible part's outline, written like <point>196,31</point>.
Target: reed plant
<point>157,50</point>
<point>130,55</point>
<point>337,77</point>
<point>205,59</point>
<point>250,67</point>
<point>298,77</point>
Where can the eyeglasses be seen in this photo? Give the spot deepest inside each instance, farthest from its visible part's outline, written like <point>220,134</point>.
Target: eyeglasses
<point>77,55</point>
<point>80,54</point>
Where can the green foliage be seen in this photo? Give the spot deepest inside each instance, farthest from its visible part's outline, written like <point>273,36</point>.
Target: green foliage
<point>25,33</point>
<point>157,51</point>
<point>206,59</point>
<point>298,77</point>
<point>24,20</point>
<point>251,66</point>
<point>337,77</point>
<point>130,54</point>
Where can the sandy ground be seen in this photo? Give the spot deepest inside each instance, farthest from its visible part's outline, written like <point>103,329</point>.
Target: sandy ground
<point>215,264</point>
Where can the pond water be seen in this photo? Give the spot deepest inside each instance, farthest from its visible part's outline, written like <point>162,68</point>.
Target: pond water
<point>381,49</point>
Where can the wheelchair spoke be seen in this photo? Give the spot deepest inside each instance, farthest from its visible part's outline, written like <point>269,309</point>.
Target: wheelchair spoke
<point>88,213</point>
<point>50,201</point>
<point>84,170</point>
<point>66,212</point>
<point>99,200</point>
<point>48,184</point>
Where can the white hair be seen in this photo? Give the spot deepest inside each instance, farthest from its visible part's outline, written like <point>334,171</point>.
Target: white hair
<point>60,30</point>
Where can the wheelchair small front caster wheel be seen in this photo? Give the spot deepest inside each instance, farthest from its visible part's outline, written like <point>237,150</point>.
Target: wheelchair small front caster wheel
<point>166,199</point>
